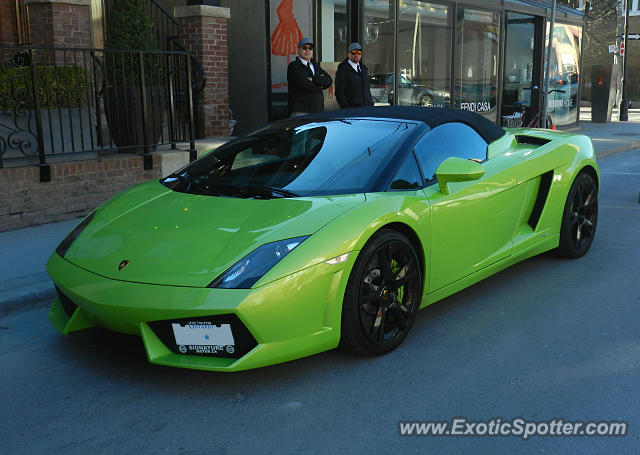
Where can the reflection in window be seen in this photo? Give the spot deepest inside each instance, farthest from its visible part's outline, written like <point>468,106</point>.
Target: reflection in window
<point>518,63</point>
<point>564,74</point>
<point>408,177</point>
<point>445,141</point>
<point>476,64</point>
<point>378,30</point>
<point>424,53</point>
<point>317,158</point>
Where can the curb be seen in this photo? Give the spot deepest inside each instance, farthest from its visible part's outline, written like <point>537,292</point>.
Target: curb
<point>622,148</point>
<point>32,291</point>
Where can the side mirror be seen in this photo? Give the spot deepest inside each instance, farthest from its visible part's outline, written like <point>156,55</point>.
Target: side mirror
<point>455,169</point>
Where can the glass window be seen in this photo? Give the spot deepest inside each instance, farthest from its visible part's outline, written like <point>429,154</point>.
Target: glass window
<point>564,74</point>
<point>378,56</point>
<point>447,140</point>
<point>424,54</point>
<point>302,157</point>
<point>408,177</point>
<point>518,64</point>
<point>476,63</point>
<point>333,20</point>
<point>290,20</point>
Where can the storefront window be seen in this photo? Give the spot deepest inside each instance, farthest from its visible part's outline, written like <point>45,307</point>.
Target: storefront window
<point>290,21</point>
<point>564,75</point>
<point>476,61</point>
<point>333,43</point>
<point>333,20</point>
<point>517,86</point>
<point>424,54</point>
<point>378,56</point>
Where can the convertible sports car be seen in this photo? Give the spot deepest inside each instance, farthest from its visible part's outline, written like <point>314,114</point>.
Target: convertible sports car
<point>322,231</point>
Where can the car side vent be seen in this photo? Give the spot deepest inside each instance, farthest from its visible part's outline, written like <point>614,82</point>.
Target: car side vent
<point>541,199</point>
<point>531,140</point>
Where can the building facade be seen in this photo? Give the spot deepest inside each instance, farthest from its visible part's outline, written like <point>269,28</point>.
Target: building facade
<point>483,56</point>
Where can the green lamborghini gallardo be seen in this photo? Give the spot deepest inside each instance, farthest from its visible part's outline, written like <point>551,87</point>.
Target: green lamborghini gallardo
<point>329,230</point>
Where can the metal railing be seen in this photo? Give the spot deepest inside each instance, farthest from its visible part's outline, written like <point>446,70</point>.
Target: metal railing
<point>58,103</point>
<point>164,24</point>
<point>166,28</point>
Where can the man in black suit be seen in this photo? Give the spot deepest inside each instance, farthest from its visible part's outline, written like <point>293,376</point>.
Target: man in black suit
<point>306,81</point>
<point>352,80</point>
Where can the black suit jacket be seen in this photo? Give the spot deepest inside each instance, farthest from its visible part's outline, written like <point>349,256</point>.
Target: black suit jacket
<point>305,89</point>
<point>352,88</point>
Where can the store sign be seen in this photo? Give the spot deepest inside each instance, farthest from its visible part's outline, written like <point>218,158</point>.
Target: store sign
<point>330,100</point>
<point>480,106</point>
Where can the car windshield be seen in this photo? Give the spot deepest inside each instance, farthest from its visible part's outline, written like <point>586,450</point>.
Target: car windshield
<point>295,158</point>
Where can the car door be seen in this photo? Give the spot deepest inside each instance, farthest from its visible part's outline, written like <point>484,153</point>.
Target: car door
<point>473,226</point>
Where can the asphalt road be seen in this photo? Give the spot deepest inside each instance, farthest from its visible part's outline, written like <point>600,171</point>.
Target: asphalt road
<point>548,338</point>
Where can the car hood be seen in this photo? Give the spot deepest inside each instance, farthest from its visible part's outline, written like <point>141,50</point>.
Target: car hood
<point>180,239</point>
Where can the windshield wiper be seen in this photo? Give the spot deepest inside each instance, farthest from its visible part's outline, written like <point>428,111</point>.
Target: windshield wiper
<point>188,182</point>
<point>263,190</point>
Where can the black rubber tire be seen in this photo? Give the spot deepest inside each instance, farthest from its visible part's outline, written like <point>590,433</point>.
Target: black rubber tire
<point>377,314</point>
<point>580,218</point>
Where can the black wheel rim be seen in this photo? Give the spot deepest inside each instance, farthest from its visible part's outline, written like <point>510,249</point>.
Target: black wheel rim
<point>389,291</point>
<point>426,101</point>
<point>584,215</point>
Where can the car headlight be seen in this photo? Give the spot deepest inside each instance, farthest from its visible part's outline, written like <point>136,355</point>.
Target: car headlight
<point>244,273</point>
<point>66,243</point>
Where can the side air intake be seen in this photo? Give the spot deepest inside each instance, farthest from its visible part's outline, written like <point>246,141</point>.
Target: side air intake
<point>531,140</point>
<point>541,199</point>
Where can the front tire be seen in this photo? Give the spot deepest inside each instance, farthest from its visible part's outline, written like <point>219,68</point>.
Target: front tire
<point>383,295</point>
<point>580,217</point>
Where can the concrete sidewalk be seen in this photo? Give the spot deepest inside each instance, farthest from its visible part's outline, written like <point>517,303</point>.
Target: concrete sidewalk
<point>24,283</point>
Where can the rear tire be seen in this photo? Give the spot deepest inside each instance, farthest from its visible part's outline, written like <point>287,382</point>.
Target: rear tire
<point>383,295</point>
<point>580,218</point>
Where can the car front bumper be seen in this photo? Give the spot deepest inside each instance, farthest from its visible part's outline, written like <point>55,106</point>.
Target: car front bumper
<point>295,316</point>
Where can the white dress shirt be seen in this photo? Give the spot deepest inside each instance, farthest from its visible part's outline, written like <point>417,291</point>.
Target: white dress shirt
<point>309,64</point>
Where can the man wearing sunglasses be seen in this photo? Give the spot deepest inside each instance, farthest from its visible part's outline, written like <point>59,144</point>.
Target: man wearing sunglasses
<point>352,80</point>
<point>306,82</point>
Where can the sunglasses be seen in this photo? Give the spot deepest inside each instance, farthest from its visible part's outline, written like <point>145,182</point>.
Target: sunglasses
<point>307,48</point>
<point>356,52</point>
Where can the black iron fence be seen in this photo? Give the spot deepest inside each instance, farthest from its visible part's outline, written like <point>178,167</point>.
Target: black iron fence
<point>164,24</point>
<point>58,102</point>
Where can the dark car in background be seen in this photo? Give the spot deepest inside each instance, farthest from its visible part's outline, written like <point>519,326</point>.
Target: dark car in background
<point>409,93</point>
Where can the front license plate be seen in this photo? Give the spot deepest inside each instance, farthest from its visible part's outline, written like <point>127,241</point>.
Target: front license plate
<point>202,334</point>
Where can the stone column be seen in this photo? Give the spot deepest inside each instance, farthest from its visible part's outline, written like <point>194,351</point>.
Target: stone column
<point>60,23</point>
<point>203,33</point>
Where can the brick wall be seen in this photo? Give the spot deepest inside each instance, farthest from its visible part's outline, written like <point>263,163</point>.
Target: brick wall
<point>75,189</point>
<point>55,24</point>
<point>204,35</point>
<point>8,31</point>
